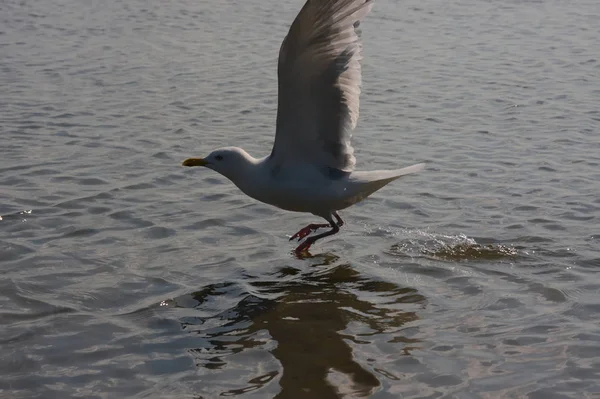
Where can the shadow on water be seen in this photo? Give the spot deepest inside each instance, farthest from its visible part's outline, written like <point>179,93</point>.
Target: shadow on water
<point>313,320</point>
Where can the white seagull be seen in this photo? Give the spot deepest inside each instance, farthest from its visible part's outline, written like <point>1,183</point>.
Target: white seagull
<point>311,166</point>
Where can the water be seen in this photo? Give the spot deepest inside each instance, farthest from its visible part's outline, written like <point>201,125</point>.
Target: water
<point>127,275</point>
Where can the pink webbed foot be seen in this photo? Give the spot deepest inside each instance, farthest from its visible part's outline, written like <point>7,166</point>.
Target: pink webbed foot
<point>304,247</point>
<point>306,231</point>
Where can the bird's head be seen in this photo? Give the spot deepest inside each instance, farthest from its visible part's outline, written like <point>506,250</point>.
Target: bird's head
<point>231,162</point>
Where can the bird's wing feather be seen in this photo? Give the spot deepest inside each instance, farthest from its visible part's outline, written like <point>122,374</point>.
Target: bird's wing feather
<point>319,85</point>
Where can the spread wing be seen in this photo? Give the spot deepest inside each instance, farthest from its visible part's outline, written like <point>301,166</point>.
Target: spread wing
<point>319,85</point>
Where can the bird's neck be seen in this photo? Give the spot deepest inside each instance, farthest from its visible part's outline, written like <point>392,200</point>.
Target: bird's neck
<point>244,170</point>
<point>249,175</point>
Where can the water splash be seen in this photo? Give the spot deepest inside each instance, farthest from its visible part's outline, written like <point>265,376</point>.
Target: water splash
<point>420,243</point>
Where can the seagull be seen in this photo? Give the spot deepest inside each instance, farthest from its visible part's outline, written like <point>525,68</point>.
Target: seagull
<point>311,166</point>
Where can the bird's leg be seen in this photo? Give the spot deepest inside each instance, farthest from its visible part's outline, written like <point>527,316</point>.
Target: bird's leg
<point>339,220</point>
<point>307,230</point>
<point>314,226</point>
<point>311,240</point>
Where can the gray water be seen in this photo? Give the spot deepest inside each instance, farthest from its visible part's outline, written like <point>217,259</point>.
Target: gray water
<point>127,275</point>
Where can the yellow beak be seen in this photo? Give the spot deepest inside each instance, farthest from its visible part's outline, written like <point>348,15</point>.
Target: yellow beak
<point>195,162</point>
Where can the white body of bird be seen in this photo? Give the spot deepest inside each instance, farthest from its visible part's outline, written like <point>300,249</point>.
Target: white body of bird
<point>312,189</point>
<point>300,188</point>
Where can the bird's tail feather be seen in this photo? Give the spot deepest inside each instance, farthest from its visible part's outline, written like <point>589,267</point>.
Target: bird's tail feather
<point>376,179</point>
<point>397,173</point>
<point>386,176</point>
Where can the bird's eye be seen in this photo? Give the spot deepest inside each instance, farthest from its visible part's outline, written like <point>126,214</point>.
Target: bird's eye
<point>219,157</point>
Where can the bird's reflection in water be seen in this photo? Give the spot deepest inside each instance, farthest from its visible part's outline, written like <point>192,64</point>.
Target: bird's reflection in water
<point>312,317</point>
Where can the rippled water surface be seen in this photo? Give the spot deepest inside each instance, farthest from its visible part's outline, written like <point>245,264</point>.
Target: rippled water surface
<point>127,275</point>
